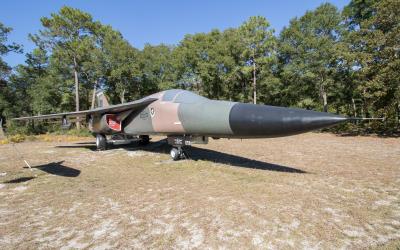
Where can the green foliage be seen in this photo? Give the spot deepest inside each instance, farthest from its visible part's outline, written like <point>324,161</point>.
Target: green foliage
<point>74,132</point>
<point>342,62</point>
<point>373,38</point>
<point>14,128</point>
<point>114,64</point>
<point>309,50</point>
<point>70,36</point>
<point>259,53</point>
<point>6,92</point>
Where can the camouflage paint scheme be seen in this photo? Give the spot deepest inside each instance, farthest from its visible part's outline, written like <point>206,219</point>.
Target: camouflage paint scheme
<point>178,112</point>
<point>181,112</point>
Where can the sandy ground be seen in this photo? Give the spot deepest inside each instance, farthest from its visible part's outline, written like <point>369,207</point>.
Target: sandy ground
<point>312,191</point>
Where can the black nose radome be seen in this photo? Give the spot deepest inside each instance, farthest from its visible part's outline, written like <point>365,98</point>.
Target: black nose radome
<point>268,121</point>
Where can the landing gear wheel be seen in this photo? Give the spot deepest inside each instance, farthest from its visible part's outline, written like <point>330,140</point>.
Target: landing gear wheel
<point>175,154</point>
<point>178,154</point>
<point>144,139</point>
<point>101,142</point>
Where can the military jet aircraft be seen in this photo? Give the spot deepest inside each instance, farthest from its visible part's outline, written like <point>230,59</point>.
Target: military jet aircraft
<point>186,118</point>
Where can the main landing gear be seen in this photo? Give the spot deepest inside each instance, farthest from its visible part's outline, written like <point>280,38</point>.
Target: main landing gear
<point>144,139</point>
<point>177,142</point>
<point>119,139</point>
<point>101,142</point>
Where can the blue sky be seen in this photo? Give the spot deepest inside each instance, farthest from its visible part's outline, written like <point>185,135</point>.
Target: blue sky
<point>152,21</point>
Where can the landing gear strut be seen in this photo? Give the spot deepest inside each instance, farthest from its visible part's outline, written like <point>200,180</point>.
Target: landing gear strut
<point>177,153</point>
<point>101,142</point>
<point>179,141</point>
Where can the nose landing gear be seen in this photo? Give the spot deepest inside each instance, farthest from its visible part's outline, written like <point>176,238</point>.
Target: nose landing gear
<point>177,153</point>
<point>179,141</point>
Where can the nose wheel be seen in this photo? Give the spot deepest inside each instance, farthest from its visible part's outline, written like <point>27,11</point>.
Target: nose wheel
<point>178,154</point>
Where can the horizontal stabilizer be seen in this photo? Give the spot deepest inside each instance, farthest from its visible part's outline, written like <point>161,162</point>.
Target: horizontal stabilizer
<point>114,109</point>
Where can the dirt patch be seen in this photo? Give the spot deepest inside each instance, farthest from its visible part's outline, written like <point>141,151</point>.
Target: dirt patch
<point>306,191</point>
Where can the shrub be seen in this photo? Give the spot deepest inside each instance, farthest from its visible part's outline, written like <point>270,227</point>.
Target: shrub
<point>83,132</point>
<point>17,138</point>
<point>5,141</point>
<point>31,138</point>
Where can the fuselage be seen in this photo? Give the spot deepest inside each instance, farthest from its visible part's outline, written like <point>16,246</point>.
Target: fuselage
<point>181,112</point>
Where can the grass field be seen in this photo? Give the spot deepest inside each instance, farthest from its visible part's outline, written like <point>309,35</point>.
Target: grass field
<point>308,191</point>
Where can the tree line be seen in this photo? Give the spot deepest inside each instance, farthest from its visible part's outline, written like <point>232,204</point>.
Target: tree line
<point>340,61</point>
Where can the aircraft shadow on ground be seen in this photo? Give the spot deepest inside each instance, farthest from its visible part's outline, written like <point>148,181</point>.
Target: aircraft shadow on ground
<point>196,153</point>
<point>57,168</point>
<point>88,145</point>
<point>19,180</point>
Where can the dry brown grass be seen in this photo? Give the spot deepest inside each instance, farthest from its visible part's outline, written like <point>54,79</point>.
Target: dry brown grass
<point>311,190</point>
<point>18,138</point>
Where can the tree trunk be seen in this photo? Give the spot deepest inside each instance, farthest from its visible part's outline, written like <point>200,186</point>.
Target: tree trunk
<point>254,80</point>
<point>398,116</point>
<point>354,107</point>
<point>364,109</point>
<point>94,95</point>
<point>244,92</point>
<point>122,96</point>
<point>1,129</point>
<point>78,123</point>
<point>324,98</point>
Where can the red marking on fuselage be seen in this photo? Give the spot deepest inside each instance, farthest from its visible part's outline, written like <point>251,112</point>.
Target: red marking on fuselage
<point>113,122</point>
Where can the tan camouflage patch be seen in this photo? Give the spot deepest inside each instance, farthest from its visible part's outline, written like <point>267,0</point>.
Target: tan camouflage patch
<point>164,116</point>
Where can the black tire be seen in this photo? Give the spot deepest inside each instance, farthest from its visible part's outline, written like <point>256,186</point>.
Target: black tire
<point>175,154</point>
<point>101,142</point>
<point>144,140</point>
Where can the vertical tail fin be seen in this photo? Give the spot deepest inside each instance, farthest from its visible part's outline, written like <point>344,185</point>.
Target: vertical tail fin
<point>101,99</point>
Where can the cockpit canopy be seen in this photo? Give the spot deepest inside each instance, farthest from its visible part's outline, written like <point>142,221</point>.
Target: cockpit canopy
<point>182,96</point>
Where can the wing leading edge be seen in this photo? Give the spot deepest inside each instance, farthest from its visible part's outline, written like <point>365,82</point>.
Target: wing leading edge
<point>114,109</point>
